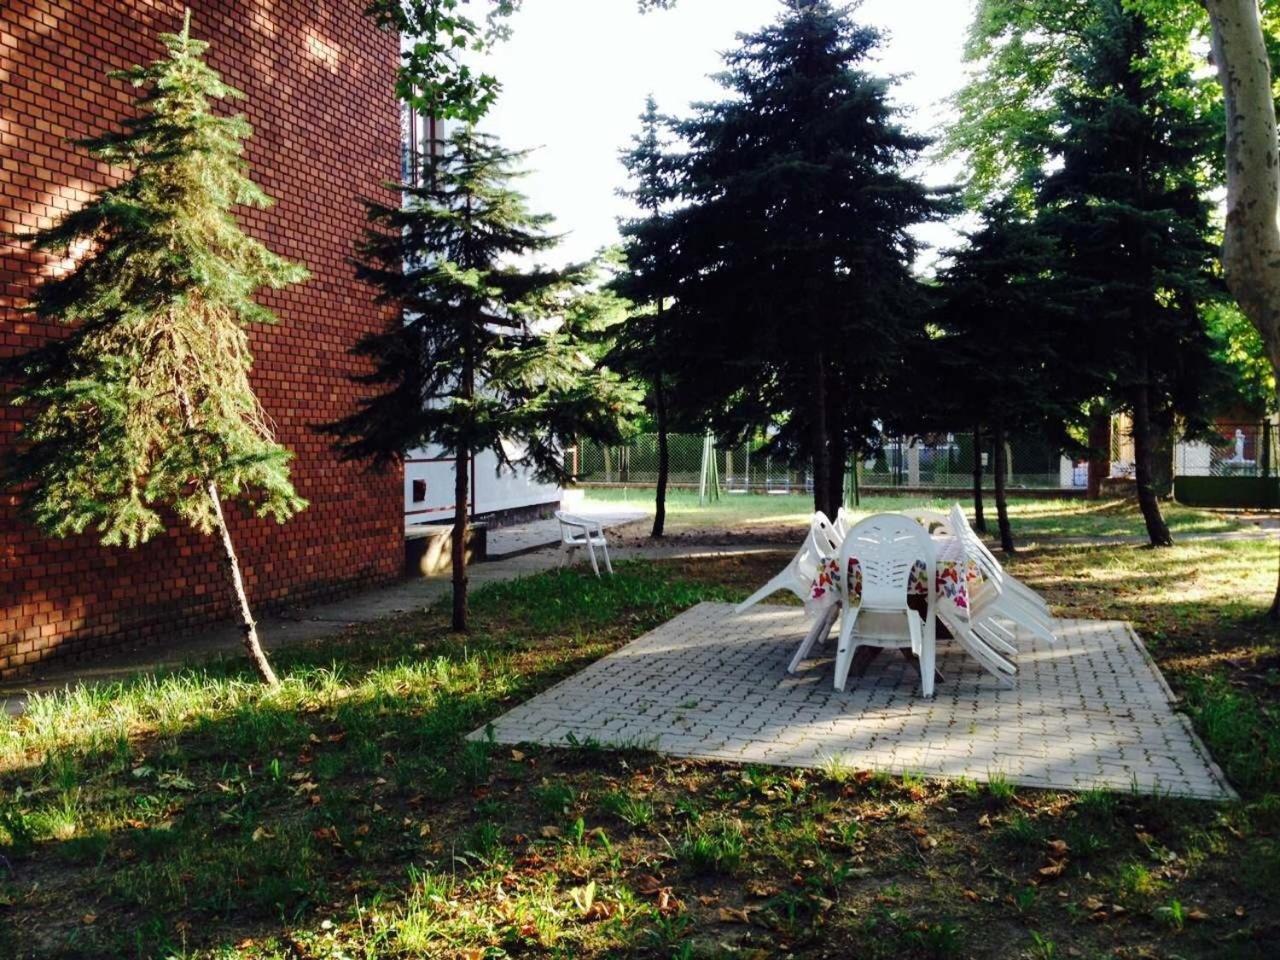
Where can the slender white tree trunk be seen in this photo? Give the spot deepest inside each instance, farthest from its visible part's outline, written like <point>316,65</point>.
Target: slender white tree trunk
<point>1251,245</point>
<point>248,627</point>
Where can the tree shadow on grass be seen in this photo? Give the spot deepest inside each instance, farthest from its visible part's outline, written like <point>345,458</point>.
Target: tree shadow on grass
<point>169,801</point>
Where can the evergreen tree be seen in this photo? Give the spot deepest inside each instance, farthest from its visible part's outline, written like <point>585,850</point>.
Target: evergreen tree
<point>487,357</point>
<point>147,404</point>
<point>643,341</point>
<point>1127,207</point>
<point>1000,359</point>
<point>794,253</point>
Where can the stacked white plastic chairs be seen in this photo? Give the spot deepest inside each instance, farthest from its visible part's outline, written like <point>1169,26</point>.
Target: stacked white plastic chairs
<point>887,548</point>
<point>798,575</point>
<point>1001,596</point>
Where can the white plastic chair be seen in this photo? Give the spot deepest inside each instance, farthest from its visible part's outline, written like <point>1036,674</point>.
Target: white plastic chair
<point>974,629</point>
<point>843,523</point>
<point>1000,594</point>
<point>886,547</point>
<point>989,561</point>
<point>798,575</point>
<point>933,521</point>
<point>578,532</point>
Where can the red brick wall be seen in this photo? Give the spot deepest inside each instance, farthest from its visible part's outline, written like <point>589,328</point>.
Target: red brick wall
<point>318,77</point>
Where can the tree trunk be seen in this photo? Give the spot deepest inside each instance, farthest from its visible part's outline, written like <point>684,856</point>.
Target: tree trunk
<point>1251,241</point>
<point>664,458</point>
<point>1157,530</point>
<point>1274,612</point>
<point>979,518</point>
<point>462,502</point>
<point>1099,451</point>
<point>818,436</point>
<point>248,628</point>
<point>1002,503</point>
<point>838,463</point>
<point>837,447</point>
<point>461,518</point>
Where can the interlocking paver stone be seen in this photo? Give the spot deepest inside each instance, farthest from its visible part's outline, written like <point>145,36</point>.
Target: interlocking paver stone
<point>1090,711</point>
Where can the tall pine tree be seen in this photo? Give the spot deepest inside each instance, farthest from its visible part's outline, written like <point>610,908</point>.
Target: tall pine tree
<point>1127,208</point>
<point>488,355</point>
<point>794,251</point>
<point>147,404</point>
<point>1000,359</point>
<point>643,341</point>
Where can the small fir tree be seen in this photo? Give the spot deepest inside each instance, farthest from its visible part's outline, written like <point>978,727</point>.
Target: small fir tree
<point>489,355</point>
<point>146,405</point>
<point>643,341</point>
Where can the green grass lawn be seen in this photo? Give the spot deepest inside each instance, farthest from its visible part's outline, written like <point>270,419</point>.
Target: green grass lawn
<point>769,517</point>
<point>343,816</point>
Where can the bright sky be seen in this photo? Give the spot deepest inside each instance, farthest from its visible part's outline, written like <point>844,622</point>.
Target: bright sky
<point>576,72</point>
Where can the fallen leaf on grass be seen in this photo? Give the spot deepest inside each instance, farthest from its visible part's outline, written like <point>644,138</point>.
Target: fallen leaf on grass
<point>89,918</point>
<point>1092,903</point>
<point>984,822</point>
<point>550,832</point>
<point>1054,869</point>
<point>1058,848</point>
<point>758,888</point>
<point>517,756</point>
<point>1195,913</point>
<point>971,895</point>
<point>599,911</point>
<point>584,897</point>
<point>668,903</point>
<point>647,885</point>
<point>732,915</point>
<point>262,833</point>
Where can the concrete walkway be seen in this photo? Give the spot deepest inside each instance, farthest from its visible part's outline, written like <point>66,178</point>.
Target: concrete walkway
<point>291,626</point>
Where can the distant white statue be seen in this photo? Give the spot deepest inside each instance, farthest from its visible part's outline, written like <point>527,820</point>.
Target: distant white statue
<point>1239,457</point>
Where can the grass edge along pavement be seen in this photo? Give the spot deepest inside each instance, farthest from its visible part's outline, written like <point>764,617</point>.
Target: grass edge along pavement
<point>142,803</point>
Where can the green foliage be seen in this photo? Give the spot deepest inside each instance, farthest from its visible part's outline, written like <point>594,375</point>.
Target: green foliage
<point>1238,348</point>
<point>490,356</point>
<point>1127,206</point>
<point>147,404</point>
<point>796,296</point>
<point>1024,53</point>
<point>641,347</point>
<point>1002,342</point>
<point>437,38</point>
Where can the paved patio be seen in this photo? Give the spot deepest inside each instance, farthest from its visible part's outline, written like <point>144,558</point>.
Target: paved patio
<point>1091,711</point>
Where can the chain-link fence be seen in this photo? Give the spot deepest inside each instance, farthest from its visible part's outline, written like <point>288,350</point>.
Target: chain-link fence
<point>938,461</point>
<point>1238,450</point>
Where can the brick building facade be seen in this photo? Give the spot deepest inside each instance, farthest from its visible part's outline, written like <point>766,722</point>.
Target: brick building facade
<point>318,76</point>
